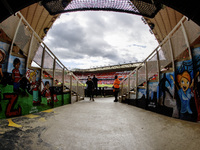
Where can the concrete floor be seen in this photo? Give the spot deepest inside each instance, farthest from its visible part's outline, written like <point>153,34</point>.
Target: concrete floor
<point>99,125</point>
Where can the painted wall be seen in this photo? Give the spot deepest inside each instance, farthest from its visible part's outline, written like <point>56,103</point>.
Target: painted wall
<point>22,91</point>
<point>177,94</point>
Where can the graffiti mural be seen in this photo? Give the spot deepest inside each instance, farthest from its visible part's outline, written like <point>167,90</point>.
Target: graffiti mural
<point>166,89</point>
<point>165,94</point>
<point>22,90</point>
<point>152,95</point>
<point>185,90</point>
<point>142,93</point>
<point>196,62</point>
<point>33,76</point>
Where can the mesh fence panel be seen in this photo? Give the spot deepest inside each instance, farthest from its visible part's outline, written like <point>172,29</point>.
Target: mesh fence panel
<point>50,72</point>
<point>192,30</point>
<point>152,66</point>
<point>34,48</point>
<point>132,81</point>
<point>74,83</point>
<point>67,80</point>
<point>38,56</point>
<point>81,90</point>
<point>23,38</point>
<point>59,75</point>
<point>125,86</point>
<point>9,26</point>
<point>178,43</point>
<point>141,75</point>
<point>48,61</point>
<point>58,72</point>
<point>58,66</point>
<point>165,55</point>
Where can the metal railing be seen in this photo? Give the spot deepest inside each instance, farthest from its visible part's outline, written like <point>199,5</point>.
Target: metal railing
<point>35,50</point>
<point>167,52</point>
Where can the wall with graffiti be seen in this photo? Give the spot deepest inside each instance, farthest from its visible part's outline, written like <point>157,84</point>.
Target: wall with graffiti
<point>176,94</point>
<point>22,90</point>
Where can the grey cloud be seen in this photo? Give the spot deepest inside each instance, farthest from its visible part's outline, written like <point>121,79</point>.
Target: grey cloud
<point>73,40</point>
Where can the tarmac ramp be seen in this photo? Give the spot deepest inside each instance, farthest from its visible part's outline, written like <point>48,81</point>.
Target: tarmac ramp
<point>98,125</point>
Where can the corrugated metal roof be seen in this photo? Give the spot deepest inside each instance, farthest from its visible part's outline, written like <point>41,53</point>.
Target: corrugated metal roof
<point>39,18</point>
<point>165,20</point>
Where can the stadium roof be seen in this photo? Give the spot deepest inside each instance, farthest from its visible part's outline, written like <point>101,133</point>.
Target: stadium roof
<point>120,67</point>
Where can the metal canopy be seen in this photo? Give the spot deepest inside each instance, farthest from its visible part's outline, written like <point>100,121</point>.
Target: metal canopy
<point>146,8</point>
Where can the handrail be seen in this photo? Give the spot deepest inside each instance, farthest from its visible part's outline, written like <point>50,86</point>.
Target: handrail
<point>158,48</point>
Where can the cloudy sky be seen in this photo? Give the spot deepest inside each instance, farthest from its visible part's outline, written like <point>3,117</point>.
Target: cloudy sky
<point>93,39</point>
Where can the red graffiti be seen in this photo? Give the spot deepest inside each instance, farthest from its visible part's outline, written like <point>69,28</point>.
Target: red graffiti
<point>10,111</point>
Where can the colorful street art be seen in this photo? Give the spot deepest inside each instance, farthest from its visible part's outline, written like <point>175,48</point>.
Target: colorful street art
<point>22,91</point>
<point>196,62</point>
<point>185,90</point>
<point>152,94</point>
<point>142,93</point>
<point>166,91</point>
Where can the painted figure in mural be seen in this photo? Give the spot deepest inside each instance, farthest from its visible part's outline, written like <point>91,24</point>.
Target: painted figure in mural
<point>34,87</point>
<point>2,58</point>
<point>163,88</point>
<point>16,75</point>
<point>46,92</point>
<point>184,92</point>
<point>17,50</point>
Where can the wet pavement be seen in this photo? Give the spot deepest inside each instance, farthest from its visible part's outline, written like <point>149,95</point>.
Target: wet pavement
<point>99,125</point>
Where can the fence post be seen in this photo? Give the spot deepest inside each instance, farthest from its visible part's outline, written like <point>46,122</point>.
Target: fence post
<point>121,92</point>
<point>146,71</point>
<point>13,41</point>
<point>128,87</point>
<point>29,51</point>
<point>77,90</point>
<point>158,65</point>
<point>172,54</point>
<point>63,81</point>
<point>136,84</point>
<point>70,88</point>
<point>186,40</point>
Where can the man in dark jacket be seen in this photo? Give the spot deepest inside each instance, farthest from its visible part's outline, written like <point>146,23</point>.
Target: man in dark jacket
<point>90,88</point>
<point>95,81</point>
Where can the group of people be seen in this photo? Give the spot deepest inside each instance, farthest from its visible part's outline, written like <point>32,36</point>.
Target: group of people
<point>92,86</point>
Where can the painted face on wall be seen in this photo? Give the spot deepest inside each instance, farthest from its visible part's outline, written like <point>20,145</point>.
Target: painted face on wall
<point>184,84</point>
<point>17,65</point>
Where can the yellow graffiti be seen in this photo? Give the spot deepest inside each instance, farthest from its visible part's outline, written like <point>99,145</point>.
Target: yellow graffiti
<point>31,116</point>
<point>42,120</point>
<point>12,124</point>
<point>48,111</point>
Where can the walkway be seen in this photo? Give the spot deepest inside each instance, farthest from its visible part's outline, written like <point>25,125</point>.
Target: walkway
<point>99,125</point>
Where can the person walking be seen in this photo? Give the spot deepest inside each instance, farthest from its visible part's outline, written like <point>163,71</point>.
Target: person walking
<point>116,88</point>
<point>90,88</point>
<point>95,81</point>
